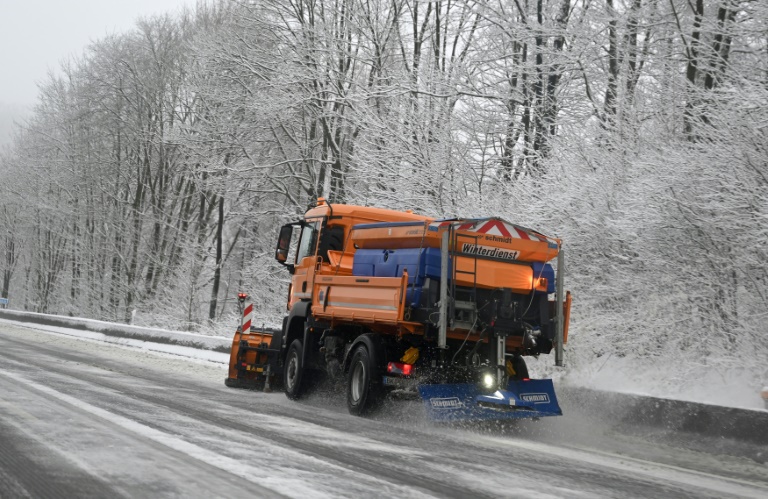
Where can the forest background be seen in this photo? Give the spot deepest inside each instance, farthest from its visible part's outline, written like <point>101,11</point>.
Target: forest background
<point>150,181</point>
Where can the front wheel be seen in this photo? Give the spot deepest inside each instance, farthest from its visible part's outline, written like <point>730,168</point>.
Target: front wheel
<point>293,373</point>
<point>362,393</point>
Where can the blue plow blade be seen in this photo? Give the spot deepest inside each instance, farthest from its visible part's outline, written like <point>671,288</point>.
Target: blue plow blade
<point>465,402</point>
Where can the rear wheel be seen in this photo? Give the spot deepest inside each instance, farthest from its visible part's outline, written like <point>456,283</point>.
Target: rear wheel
<point>232,383</point>
<point>362,393</point>
<point>293,373</point>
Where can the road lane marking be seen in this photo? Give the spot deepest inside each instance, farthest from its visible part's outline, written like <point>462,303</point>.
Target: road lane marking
<point>208,457</point>
<point>667,472</point>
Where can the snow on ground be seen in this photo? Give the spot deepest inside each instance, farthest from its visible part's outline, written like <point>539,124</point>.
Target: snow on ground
<point>195,354</point>
<point>645,377</point>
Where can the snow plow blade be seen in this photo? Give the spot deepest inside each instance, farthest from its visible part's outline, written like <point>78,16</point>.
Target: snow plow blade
<point>466,402</point>
<point>249,361</point>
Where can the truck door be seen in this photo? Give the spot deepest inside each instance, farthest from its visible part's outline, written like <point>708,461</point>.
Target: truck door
<point>306,261</point>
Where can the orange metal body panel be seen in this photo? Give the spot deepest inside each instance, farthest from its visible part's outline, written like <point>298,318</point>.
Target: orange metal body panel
<point>566,315</point>
<point>360,299</point>
<point>340,263</point>
<point>526,250</point>
<point>513,343</point>
<point>303,279</point>
<point>363,214</point>
<point>420,236</point>
<point>252,357</point>
<point>410,236</point>
<point>491,274</point>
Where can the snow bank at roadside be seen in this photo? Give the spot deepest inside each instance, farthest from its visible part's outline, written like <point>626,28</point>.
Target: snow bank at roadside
<point>112,329</point>
<point>159,345</point>
<point>702,384</point>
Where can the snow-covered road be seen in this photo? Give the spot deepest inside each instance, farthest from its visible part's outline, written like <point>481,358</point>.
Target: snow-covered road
<point>89,419</point>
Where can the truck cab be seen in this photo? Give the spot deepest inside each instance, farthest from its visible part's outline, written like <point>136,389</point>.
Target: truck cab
<point>323,243</point>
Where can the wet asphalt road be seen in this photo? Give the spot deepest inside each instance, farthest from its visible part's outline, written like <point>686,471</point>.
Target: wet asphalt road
<point>85,419</point>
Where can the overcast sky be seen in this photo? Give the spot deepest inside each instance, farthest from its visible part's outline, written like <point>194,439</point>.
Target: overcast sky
<point>35,35</point>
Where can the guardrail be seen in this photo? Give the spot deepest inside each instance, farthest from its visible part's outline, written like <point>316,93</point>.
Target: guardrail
<point>195,340</point>
<point>746,425</point>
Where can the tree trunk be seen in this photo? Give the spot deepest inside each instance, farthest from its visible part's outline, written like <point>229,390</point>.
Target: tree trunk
<point>219,256</point>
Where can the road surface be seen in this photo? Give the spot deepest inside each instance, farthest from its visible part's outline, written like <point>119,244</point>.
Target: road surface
<point>87,419</point>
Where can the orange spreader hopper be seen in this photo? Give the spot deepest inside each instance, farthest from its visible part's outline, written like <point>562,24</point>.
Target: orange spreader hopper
<point>491,238</point>
<point>494,240</point>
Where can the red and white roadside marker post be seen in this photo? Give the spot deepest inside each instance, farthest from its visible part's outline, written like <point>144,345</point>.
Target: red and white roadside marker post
<point>247,310</point>
<point>245,328</point>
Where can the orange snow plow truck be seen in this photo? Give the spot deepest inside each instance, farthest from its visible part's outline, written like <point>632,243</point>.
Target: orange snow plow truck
<point>402,305</point>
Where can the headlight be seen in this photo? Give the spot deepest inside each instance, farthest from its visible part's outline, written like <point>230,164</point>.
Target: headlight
<point>489,381</point>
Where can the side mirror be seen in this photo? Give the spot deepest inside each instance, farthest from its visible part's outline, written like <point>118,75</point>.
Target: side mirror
<point>284,244</point>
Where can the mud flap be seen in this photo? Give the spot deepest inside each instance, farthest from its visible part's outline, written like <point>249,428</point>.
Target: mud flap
<point>465,402</point>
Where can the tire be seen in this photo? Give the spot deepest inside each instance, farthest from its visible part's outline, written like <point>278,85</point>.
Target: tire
<point>521,370</point>
<point>253,384</point>
<point>362,393</point>
<point>293,373</point>
<point>276,383</point>
<point>232,383</point>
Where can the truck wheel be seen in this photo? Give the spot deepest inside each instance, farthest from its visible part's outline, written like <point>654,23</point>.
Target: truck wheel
<point>362,394</point>
<point>293,372</point>
<point>232,383</point>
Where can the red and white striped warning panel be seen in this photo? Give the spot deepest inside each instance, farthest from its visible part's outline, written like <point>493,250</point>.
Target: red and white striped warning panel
<point>247,316</point>
<point>495,227</point>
